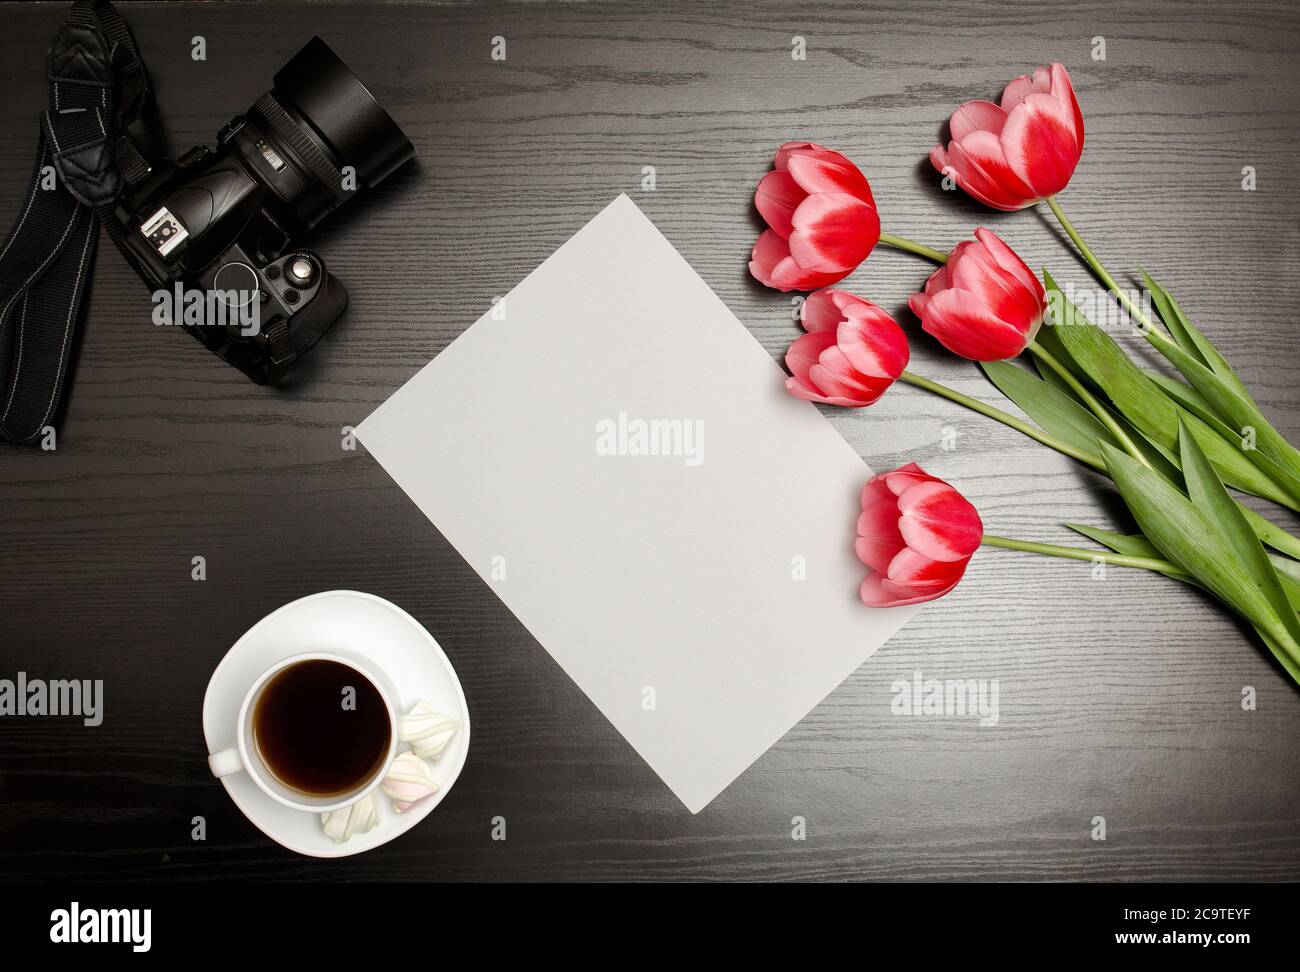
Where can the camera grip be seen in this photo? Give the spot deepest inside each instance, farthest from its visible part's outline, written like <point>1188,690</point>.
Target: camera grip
<point>293,337</point>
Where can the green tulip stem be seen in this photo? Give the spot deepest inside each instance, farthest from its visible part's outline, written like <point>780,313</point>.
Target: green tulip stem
<point>920,249</point>
<point>975,405</point>
<point>1153,334</point>
<point>1087,397</point>
<point>1275,634</point>
<point>1269,532</point>
<point>1079,553</point>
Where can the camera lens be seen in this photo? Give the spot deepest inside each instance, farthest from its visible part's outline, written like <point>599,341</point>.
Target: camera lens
<point>342,112</point>
<point>315,124</point>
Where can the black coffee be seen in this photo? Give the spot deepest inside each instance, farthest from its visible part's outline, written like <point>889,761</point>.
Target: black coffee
<point>321,727</point>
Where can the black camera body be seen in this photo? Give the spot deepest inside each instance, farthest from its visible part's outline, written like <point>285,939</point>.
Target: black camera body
<point>223,221</point>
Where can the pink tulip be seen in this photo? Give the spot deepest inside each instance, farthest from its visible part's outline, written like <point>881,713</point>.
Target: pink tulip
<point>851,354</point>
<point>821,216</point>
<point>984,303</point>
<point>1013,155</point>
<point>917,534</point>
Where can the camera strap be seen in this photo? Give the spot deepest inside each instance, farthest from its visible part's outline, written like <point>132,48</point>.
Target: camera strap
<point>98,86</point>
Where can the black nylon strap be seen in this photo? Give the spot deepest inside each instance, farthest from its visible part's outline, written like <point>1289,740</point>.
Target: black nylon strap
<point>127,67</point>
<point>98,85</point>
<point>44,267</point>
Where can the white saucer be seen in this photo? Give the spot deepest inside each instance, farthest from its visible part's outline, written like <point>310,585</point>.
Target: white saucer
<point>368,626</point>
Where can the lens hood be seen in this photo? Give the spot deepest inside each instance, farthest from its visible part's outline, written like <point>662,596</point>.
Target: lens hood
<point>342,112</point>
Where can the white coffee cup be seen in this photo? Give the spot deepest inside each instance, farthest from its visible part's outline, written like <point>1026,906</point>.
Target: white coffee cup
<point>243,757</point>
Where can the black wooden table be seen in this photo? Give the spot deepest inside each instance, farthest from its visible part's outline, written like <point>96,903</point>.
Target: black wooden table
<point>1119,697</point>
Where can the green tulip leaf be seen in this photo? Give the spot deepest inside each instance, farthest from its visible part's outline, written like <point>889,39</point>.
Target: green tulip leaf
<point>1047,338</point>
<point>1174,322</point>
<point>1166,462</point>
<point>1189,398</point>
<point>1128,544</point>
<point>1190,339</point>
<point>1208,494</point>
<point>1055,411</point>
<point>1136,545</point>
<point>1163,460</point>
<point>1150,410</point>
<point>1286,661</point>
<point>1193,538</point>
<point>1192,400</point>
<point>1238,413</point>
<point>1270,533</point>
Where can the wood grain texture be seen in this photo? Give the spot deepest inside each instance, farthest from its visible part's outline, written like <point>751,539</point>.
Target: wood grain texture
<point>1119,697</point>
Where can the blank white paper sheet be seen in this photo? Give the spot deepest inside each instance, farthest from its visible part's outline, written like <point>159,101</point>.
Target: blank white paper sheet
<point>619,460</point>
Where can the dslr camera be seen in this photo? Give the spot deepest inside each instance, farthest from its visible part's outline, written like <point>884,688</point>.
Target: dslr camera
<point>222,221</point>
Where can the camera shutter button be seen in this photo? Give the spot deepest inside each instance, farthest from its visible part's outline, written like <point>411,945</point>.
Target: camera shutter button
<point>300,272</point>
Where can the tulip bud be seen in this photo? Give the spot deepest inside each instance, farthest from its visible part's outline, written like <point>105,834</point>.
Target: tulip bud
<point>821,219</point>
<point>1018,153</point>
<point>852,353</point>
<point>984,303</point>
<point>916,534</point>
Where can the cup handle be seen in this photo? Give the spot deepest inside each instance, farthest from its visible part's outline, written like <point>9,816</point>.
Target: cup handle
<point>225,762</point>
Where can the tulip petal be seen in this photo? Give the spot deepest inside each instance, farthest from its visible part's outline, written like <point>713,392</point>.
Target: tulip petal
<point>874,345</point>
<point>939,159</point>
<point>1016,91</point>
<point>999,293</point>
<point>769,250</point>
<point>1062,88</point>
<point>873,593</point>
<point>876,490</point>
<point>1040,144</point>
<point>1009,260</point>
<point>806,351</point>
<point>820,312</point>
<point>956,320</point>
<point>879,540</point>
<point>833,233</point>
<point>881,592</point>
<point>939,281</point>
<point>786,148</point>
<point>901,479</point>
<point>982,170</point>
<point>976,116</point>
<point>916,591</point>
<point>776,199</point>
<point>821,170</point>
<point>801,389</point>
<point>938,523</point>
<point>830,375</point>
<point>916,569</point>
<point>788,275</point>
<point>771,265</point>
